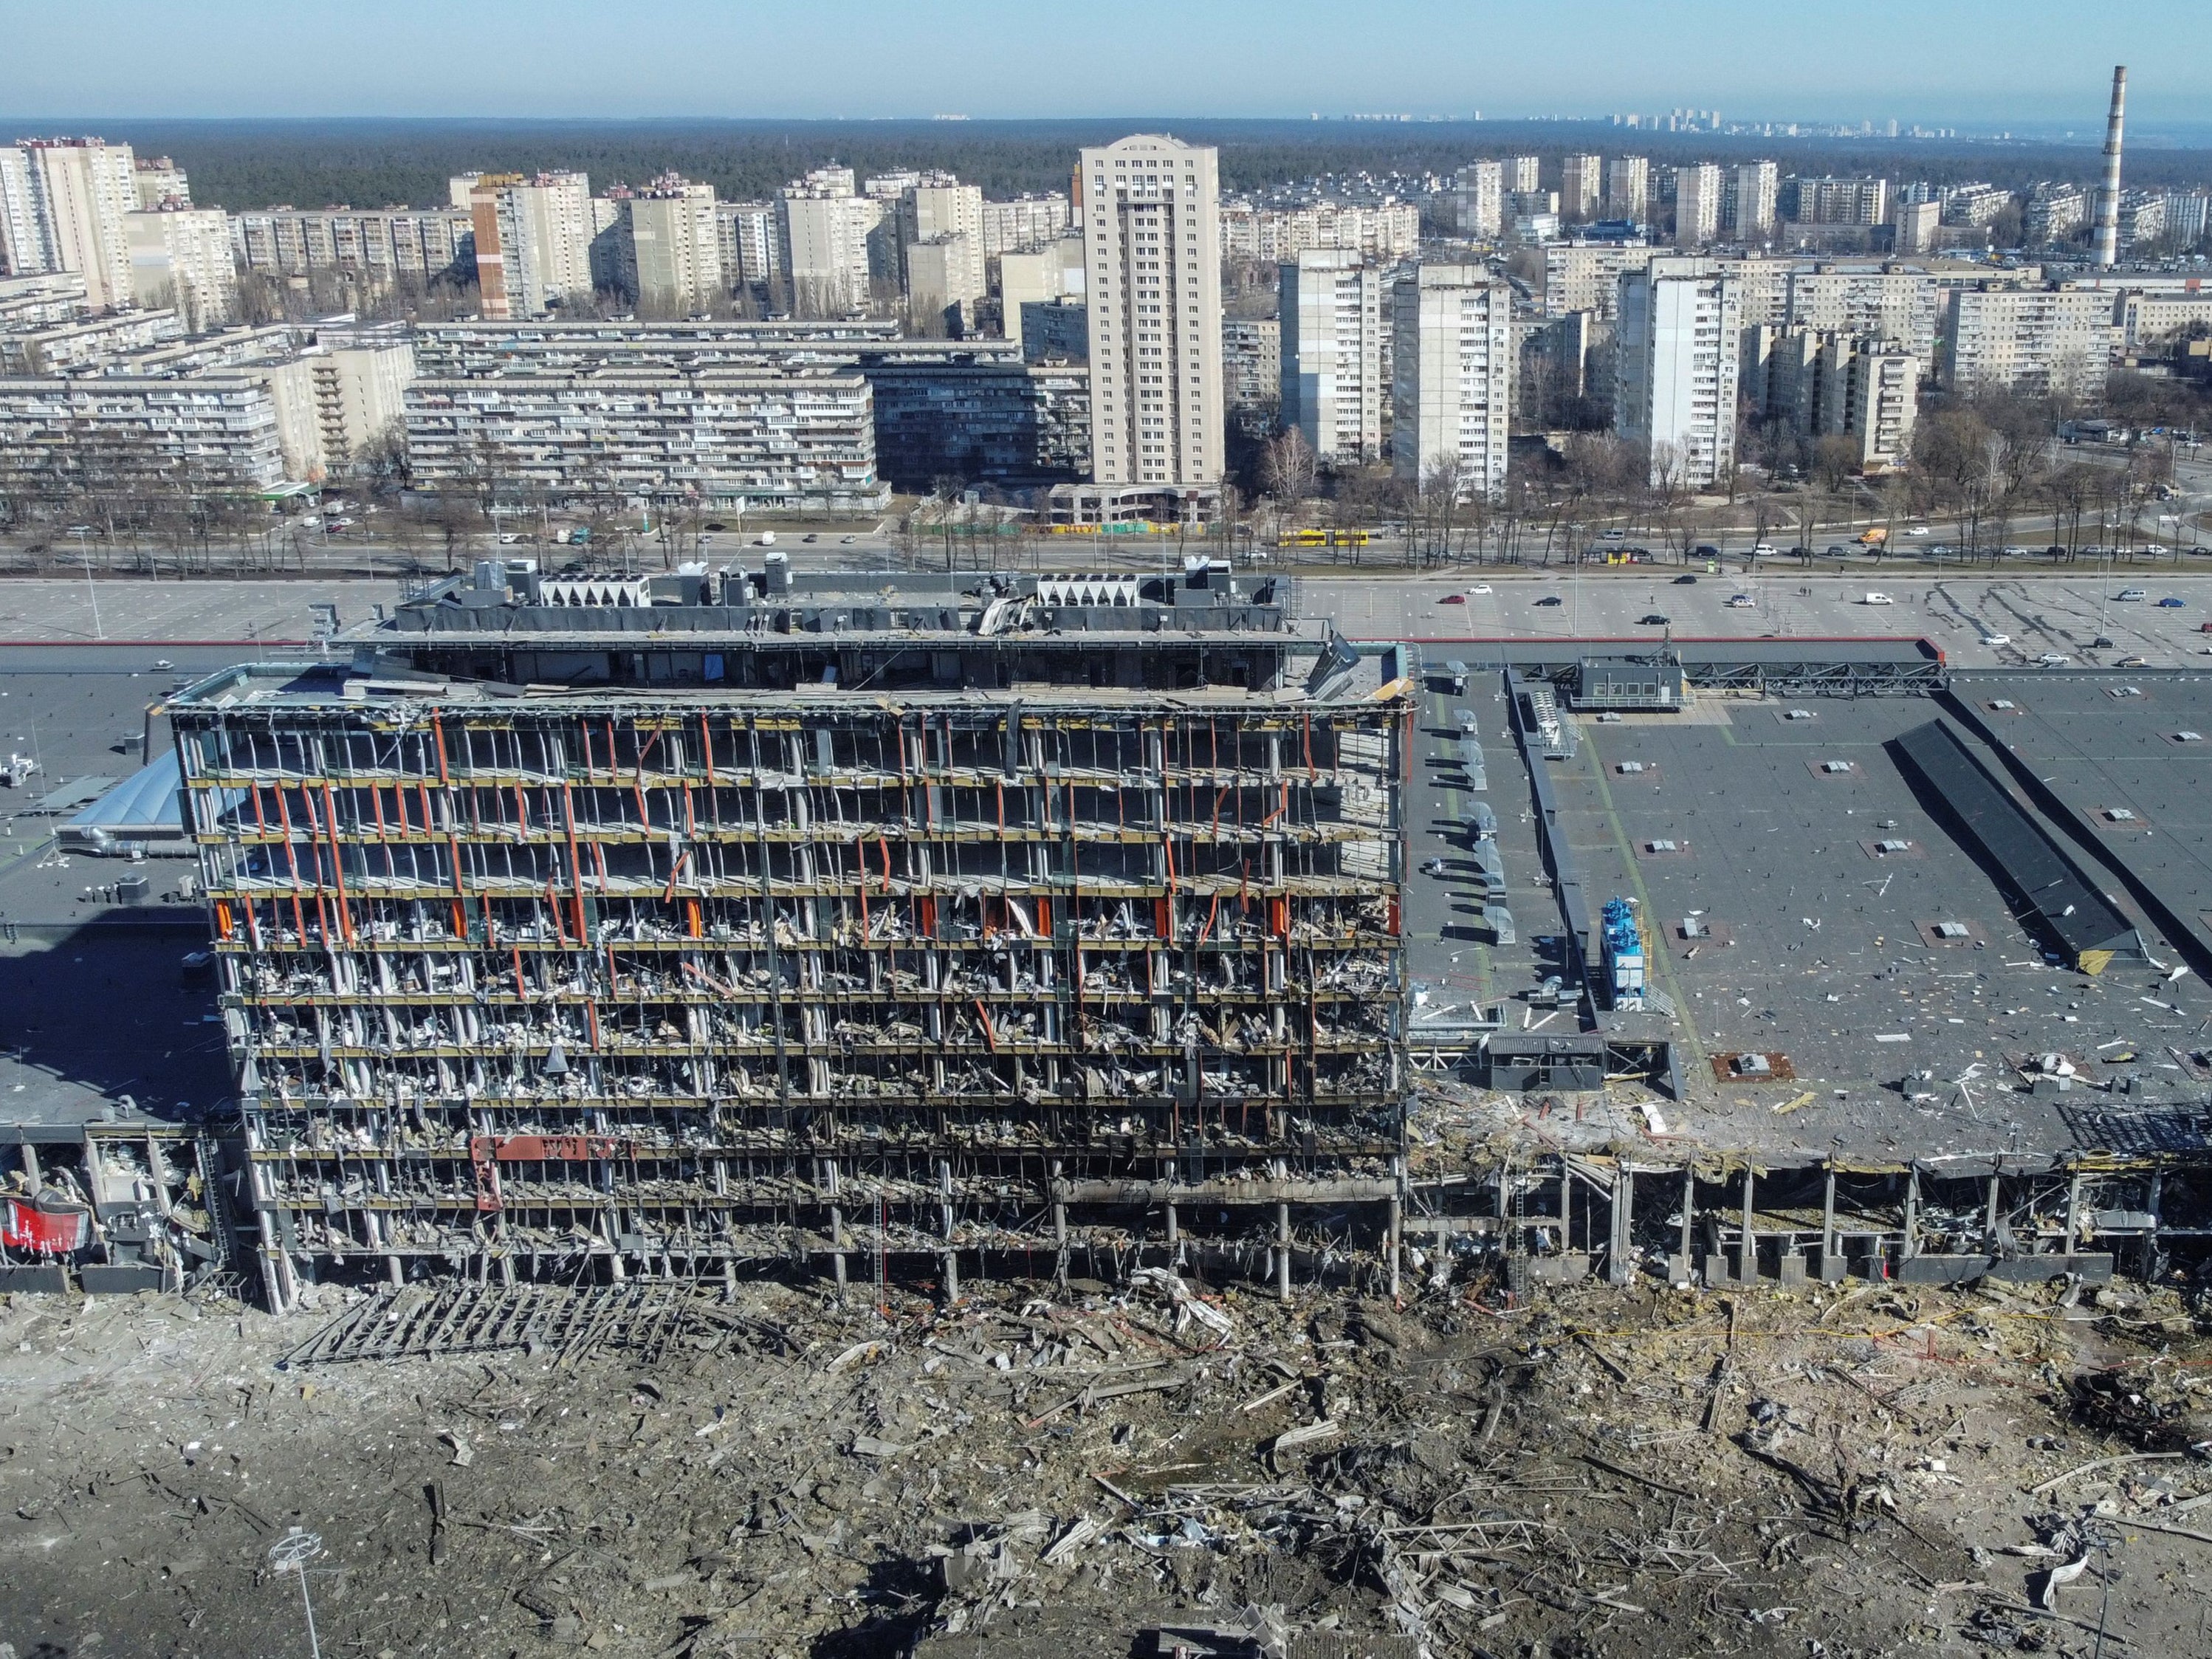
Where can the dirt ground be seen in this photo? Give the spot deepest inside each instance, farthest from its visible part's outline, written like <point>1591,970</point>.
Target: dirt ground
<point>1836,1472</point>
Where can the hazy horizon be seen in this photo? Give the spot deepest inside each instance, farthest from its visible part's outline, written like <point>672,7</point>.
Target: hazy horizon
<point>2030,65</point>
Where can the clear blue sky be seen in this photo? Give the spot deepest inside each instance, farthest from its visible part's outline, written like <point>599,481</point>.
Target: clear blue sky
<point>1978,61</point>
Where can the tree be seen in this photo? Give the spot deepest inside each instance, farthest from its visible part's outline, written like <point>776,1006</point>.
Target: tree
<point>1288,469</point>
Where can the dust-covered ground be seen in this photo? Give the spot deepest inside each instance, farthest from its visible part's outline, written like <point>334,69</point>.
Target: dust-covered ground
<point>1827,1472</point>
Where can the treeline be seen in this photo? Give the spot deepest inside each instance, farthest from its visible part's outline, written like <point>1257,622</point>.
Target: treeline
<point>251,164</point>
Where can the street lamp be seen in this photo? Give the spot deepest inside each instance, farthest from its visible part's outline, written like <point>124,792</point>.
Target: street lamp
<point>291,1553</point>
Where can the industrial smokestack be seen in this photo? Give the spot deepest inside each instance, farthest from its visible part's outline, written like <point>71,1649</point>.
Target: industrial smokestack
<point>2108,198</point>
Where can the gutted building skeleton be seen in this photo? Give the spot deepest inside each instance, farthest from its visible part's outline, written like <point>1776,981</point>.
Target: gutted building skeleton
<point>758,923</point>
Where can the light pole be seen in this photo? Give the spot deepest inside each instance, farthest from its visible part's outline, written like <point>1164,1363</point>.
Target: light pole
<point>90,592</point>
<point>291,1553</point>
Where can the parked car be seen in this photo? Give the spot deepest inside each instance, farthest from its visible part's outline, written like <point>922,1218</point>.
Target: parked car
<point>1653,619</point>
<point>1836,552</point>
<point>1996,639</point>
<point>1549,599</point>
<point>1479,587</point>
<point>2169,603</point>
<point>1453,598</point>
<point>2131,593</point>
<point>1705,551</point>
<point>2051,659</point>
<point>1740,602</point>
<point>1685,580</point>
<point>1762,551</point>
<point>1877,599</point>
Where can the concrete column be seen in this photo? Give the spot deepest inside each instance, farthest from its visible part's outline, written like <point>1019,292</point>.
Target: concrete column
<point>1990,1212</point>
<point>945,1227</point>
<point>1911,1247</point>
<point>1058,1229</point>
<point>1282,1251</point>
<point>836,1222</point>
<point>1747,1254</point>
<point>2154,1202</point>
<point>391,1271</point>
<point>507,1271</point>
<point>1829,1265</point>
<point>1175,1231</point>
<point>1689,1216</point>
<point>2072,1211</point>
<point>1618,1266</point>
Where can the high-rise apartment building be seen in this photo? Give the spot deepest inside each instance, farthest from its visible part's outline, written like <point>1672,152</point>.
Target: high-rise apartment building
<point>751,237</point>
<point>180,259</point>
<point>669,235</point>
<point>826,231</point>
<point>941,214</point>
<point>1697,204</point>
<point>1915,226</point>
<point>2037,342</point>
<point>1152,246</point>
<point>160,180</point>
<point>1833,201</point>
<point>1452,371</point>
<point>1478,200</point>
<point>1582,187</point>
<point>1521,173</point>
<point>1755,190</point>
<point>1025,224</point>
<point>1674,371</point>
<point>1252,362</point>
<point>1332,354</point>
<point>533,241</point>
<point>382,246</point>
<point>1585,276</point>
<point>63,203</point>
<point>1628,188</point>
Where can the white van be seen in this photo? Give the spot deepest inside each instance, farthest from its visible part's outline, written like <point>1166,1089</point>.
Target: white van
<point>1877,599</point>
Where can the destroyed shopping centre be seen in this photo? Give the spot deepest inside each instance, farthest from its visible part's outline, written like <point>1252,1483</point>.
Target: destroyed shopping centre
<point>924,929</point>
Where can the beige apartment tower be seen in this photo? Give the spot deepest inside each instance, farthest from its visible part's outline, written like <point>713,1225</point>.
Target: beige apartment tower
<point>672,250</point>
<point>1152,246</point>
<point>1452,363</point>
<point>1697,204</point>
<point>1582,187</point>
<point>1627,187</point>
<point>533,241</point>
<point>62,203</point>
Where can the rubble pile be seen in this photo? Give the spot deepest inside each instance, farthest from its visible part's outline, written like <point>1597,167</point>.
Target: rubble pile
<point>1073,1469</point>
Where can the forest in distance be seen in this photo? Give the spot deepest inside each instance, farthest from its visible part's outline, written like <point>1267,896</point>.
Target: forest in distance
<point>246,164</point>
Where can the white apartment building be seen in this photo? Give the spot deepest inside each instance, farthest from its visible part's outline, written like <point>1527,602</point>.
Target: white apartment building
<point>723,435</point>
<point>1582,187</point>
<point>1151,246</point>
<point>1586,276</point>
<point>669,235</point>
<point>218,432</point>
<point>1478,201</point>
<point>1697,204</point>
<point>1386,231</point>
<point>1027,279</point>
<point>63,203</point>
<point>1884,302</point>
<point>826,229</point>
<point>160,180</point>
<point>947,216</point>
<point>1520,173</point>
<point>1829,385</point>
<point>1829,200</point>
<point>1252,362</point>
<point>360,398</point>
<point>2153,322</point>
<point>1674,372</point>
<point>1452,373</point>
<point>1756,188</point>
<point>533,242</point>
<point>751,234</point>
<point>2039,342</point>
<point>180,259</point>
<point>1628,188</point>
<point>1916,223</point>
<point>1025,224</point>
<point>40,300</point>
<point>1331,346</point>
<point>382,246</point>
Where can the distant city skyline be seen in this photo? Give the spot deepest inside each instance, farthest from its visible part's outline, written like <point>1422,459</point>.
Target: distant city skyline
<point>2036,65</point>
